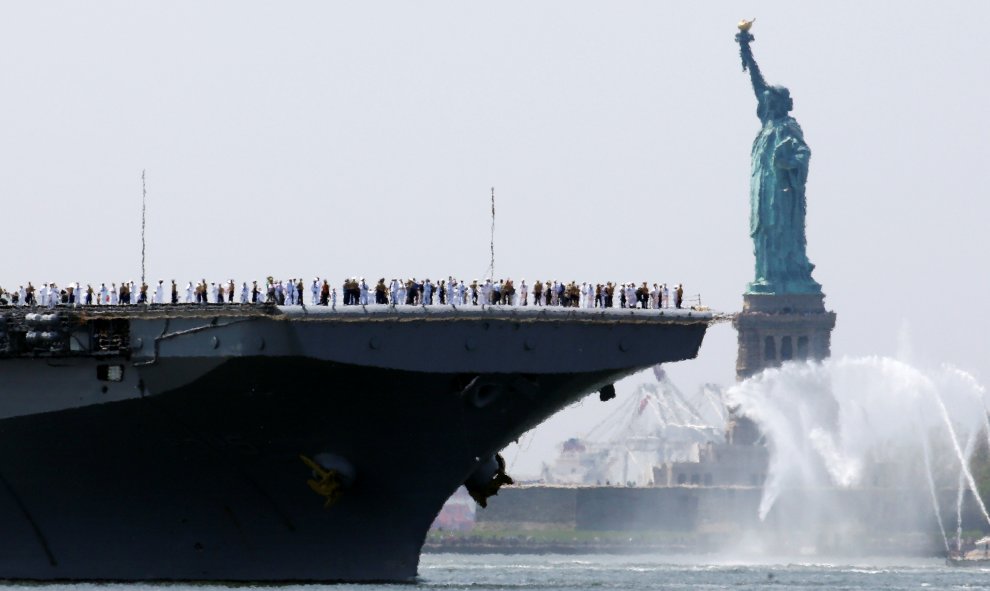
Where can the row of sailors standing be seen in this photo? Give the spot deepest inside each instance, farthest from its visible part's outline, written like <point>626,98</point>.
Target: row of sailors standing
<point>50,295</point>
<point>504,292</point>
<point>357,292</point>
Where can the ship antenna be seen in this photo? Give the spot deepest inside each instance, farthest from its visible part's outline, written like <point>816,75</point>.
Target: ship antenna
<point>491,265</point>
<point>144,195</point>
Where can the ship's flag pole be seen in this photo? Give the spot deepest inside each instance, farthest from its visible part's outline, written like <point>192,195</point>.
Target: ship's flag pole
<point>491,265</point>
<point>144,195</point>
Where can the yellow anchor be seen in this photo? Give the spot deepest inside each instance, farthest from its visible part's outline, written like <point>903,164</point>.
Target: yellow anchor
<point>325,483</point>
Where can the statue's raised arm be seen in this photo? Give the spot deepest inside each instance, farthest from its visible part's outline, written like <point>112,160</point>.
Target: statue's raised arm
<point>744,38</point>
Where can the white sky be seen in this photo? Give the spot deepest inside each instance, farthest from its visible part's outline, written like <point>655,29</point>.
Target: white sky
<point>341,138</point>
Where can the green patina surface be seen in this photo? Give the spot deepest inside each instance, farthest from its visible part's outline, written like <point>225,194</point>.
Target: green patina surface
<point>777,189</point>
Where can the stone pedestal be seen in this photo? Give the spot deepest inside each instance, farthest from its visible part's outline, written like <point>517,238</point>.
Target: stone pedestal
<point>773,329</point>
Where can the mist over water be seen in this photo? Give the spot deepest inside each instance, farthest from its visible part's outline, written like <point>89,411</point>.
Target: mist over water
<point>864,445</point>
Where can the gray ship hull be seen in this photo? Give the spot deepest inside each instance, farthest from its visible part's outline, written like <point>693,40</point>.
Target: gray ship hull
<point>190,467</point>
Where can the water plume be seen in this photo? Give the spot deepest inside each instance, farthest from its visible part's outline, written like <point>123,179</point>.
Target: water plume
<point>858,424</point>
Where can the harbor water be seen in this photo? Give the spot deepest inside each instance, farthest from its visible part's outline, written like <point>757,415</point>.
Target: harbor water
<point>638,573</point>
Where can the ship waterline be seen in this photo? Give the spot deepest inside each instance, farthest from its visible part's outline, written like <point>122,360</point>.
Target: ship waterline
<point>194,450</point>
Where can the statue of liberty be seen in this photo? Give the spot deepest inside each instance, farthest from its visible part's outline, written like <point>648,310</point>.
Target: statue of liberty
<point>777,198</point>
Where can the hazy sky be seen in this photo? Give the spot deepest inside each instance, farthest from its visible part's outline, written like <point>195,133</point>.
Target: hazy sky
<point>342,138</point>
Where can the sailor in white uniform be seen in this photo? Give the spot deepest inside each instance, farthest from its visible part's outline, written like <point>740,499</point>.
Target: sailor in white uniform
<point>364,292</point>
<point>160,293</point>
<point>315,288</point>
<point>427,293</point>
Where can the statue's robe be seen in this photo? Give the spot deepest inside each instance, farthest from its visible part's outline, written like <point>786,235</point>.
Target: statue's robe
<point>778,206</point>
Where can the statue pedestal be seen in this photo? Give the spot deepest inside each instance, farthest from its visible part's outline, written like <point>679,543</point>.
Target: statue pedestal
<point>772,329</point>
<point>777,328</point>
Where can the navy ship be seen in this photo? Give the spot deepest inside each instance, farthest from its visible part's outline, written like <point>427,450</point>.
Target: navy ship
<point>278,444</point>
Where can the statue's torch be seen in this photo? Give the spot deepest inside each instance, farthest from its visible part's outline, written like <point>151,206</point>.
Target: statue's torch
<point>743,37</point>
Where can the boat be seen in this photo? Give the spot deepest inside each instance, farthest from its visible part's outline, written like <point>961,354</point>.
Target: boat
<point>977,555</point>
<point>266,443</point>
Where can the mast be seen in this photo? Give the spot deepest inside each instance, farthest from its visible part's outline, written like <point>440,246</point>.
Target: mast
<point>491,265</point>
<point>144,195</point>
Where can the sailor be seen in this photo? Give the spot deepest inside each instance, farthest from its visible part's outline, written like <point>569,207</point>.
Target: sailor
<point>89,295</point>
<point>300,290</point>
<point>189,293</point>
<point>665,296</point>
<point>393,291</point>
<point>43,295</point>
<point>493,292</point>
<point>442,292</point>
<point>325,294</point>
<point>315,288</point>
<point>679,296</point>
<point>333,297</point>
<point>254,292</point>
<point>380,291</point>
<point>132,293</point>
<point>364,292</point>
<point>486,292</point>
<point>160,293</point>
<point>245,292</point>
<point>290,295</point>
<point>462,290</point>
<point>427,292</point>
